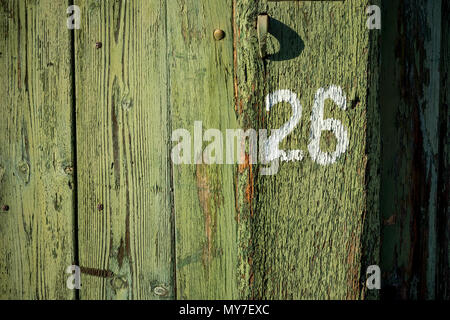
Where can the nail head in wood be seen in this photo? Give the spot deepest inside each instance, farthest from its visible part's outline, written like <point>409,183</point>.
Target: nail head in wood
<point>219,34</point>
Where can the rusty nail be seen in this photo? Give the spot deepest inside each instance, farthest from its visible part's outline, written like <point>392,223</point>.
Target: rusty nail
<point>100,207</point>
<point>98,45</point>
<point>219,34</point>
<point>5,208</point>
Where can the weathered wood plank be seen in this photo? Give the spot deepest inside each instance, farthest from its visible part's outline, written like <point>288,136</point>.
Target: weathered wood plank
<point>122,134</point>
<point>201,89</point>
<point>304,231</point>
<point>410,142</point>
<point>36,183</point>
<point>443,220</point>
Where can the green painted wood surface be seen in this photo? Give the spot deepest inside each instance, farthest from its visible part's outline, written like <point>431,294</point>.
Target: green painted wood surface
<point>201,89</point>
<point>101,190</point>
<point>36,182</point>
<point>410,91</point>
<point>126,249</point>
<point>305,234</point>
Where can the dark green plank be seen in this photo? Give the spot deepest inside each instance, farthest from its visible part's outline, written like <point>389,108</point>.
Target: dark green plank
<point>443,220</point>
<point>410,86</point>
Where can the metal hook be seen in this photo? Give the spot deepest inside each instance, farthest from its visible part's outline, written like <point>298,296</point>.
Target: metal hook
<point>262,29</point>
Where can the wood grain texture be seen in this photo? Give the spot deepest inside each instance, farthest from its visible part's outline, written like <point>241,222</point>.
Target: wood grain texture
<point>100,189</point>
<point>410,94</point>
<point>201,89</point>
<point>303,231</point>
<point>36,183</point>
<point>126,249</point>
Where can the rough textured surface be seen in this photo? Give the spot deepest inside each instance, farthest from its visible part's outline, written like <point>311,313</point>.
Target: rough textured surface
<point>201,89</point>
<point>302,231</point>
<point>410,142</point>
<point>36,182</point>
<point>86,175</point>
<point>122,152</point>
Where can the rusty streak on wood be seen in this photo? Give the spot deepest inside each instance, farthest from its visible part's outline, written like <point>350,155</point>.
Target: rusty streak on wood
<point>200,88</point>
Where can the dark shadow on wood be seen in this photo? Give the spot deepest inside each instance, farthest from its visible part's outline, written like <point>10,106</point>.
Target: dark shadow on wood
<point>370,239</point>
<point>291,45</point>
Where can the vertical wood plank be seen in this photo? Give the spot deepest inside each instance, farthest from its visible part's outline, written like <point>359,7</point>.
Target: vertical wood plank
<point>201,89</point>
<point>36,183</point>
<point>304,231</point>
<point>125,223</point>
<point>443,220</point>
<point>410,141</point>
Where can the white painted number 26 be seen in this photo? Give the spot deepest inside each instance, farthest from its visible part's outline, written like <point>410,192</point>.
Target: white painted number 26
<point>318,125</point>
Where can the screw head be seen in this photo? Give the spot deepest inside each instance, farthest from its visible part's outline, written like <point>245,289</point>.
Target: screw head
<point>100,207</point>
<point>219,34</point>
<point>98,45</point>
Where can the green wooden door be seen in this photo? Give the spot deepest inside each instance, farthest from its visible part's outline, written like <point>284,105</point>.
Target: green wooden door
<point>88,178</point>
